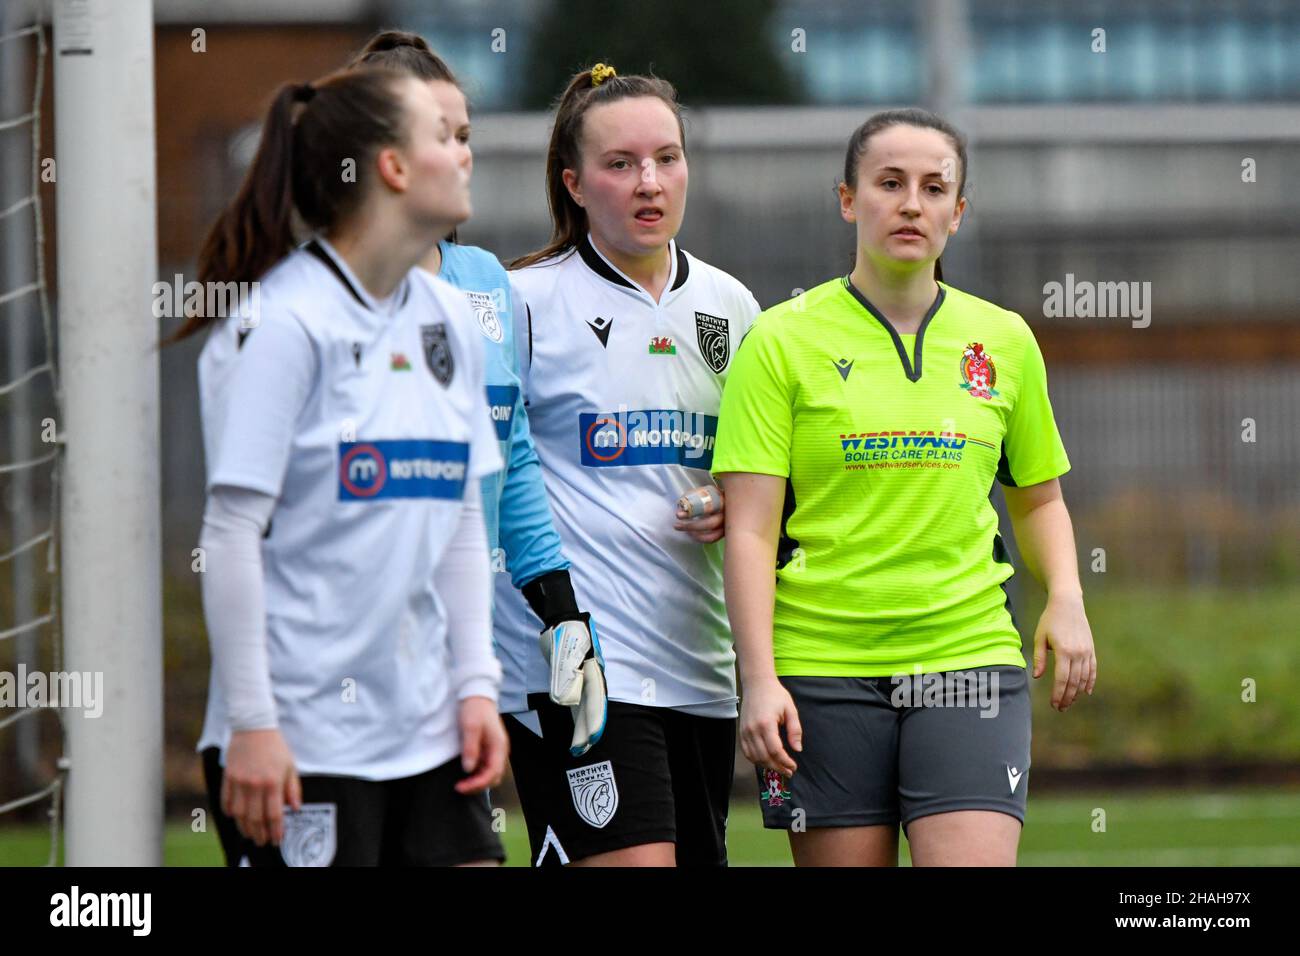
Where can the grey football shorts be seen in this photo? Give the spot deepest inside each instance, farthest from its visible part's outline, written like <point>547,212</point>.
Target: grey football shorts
<point>887,750</point>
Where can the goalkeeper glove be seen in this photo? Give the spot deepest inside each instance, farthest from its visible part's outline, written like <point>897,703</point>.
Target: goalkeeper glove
<point>571,648</point>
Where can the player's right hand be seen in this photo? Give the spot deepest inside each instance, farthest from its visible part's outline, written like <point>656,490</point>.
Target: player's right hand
<point>259,779</point>
<point>484,745</point>
<point>765,708</point>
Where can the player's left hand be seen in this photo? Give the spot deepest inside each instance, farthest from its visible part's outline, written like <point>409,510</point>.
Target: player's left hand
<point>1064,628</point>
<point>483,745</point>
<point>572,652</point>
<point>707,528</point>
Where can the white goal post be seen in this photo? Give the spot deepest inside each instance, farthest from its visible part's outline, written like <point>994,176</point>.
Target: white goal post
<point>110,545</point>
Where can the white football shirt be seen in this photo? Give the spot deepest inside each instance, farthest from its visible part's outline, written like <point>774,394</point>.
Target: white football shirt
<point>622,395</point>
<point>365,420</point>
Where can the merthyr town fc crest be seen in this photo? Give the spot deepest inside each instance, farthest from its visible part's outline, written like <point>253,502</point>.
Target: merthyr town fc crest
<point>978,374</point>
<point>714,335</point>
<point>310,835</point>
<point>437,352</point>
<point>485,311</point>
<point>595,795</point>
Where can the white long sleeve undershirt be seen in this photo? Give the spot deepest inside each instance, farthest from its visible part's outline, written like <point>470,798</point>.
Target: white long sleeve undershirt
<point>234,603</point>
<point>464,583</point>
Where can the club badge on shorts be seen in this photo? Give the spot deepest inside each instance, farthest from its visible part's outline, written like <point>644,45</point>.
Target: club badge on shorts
<point>485,311</point>
<point>978,374</point>
<point>774,789</point>
<point>437,352</point>
<point>310,835</point>
<point>595,795</point>
<point>714,335</point>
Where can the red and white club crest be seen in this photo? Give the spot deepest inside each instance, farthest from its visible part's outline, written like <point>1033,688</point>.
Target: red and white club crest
<point>774,789</point>
<point>978,373</point>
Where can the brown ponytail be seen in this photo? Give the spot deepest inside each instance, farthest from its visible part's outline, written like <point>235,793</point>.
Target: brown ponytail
<point>309,133</point>
<point>568,219</point>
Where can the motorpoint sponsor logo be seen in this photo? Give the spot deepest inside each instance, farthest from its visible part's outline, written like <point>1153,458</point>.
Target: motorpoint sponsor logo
<point>900,445</point>
<point>403,468</point>
<point>647,437</point>
<point>501,403</point>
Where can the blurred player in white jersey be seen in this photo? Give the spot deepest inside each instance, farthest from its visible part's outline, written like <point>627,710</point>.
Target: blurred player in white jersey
<point>626,342</point>
<point>520,530</point>
<point>347,589</point>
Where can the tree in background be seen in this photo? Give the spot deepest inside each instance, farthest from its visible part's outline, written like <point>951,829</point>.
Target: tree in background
<point>714,52</point>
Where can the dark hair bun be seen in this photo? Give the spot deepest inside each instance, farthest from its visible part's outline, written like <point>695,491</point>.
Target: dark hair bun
<point>395,40</point>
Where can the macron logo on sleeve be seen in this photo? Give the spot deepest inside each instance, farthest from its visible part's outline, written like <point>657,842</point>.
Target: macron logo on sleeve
<point>405,468</point>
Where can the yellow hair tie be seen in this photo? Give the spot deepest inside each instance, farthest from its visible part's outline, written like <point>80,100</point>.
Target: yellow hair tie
<point>600,73</point>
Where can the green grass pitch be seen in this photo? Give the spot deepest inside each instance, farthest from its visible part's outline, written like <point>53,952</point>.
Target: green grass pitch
<point>1231,828</point>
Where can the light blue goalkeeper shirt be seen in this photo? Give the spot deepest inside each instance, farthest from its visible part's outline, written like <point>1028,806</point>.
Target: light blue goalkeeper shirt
<point>515,507</point>
<point>516,511</point>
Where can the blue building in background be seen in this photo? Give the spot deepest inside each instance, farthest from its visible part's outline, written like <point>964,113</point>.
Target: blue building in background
<point>1017,51</point>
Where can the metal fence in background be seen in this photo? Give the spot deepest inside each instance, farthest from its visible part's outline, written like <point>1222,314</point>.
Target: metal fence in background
<point>1161,476</point>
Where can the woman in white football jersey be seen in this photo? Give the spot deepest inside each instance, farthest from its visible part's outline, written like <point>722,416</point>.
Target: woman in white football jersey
<point>628,340</point>
<point>347,588</point>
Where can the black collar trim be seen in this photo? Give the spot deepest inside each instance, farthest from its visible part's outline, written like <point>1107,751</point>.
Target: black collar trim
<point>319,252</point>
<point>316,250</point>
<point>683,268</point>
<point>597,264</point>
<point>911,368</point>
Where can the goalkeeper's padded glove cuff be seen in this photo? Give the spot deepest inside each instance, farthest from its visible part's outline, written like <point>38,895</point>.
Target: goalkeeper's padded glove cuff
<point>551,598</point>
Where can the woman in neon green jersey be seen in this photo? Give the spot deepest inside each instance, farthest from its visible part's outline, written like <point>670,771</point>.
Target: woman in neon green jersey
<point>860,433</point>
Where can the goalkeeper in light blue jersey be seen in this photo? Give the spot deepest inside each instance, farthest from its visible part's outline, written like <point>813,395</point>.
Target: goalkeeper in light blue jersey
<point>520,531</point>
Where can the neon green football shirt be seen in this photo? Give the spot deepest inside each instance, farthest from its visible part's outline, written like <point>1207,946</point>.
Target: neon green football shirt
<point>890,558</point>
